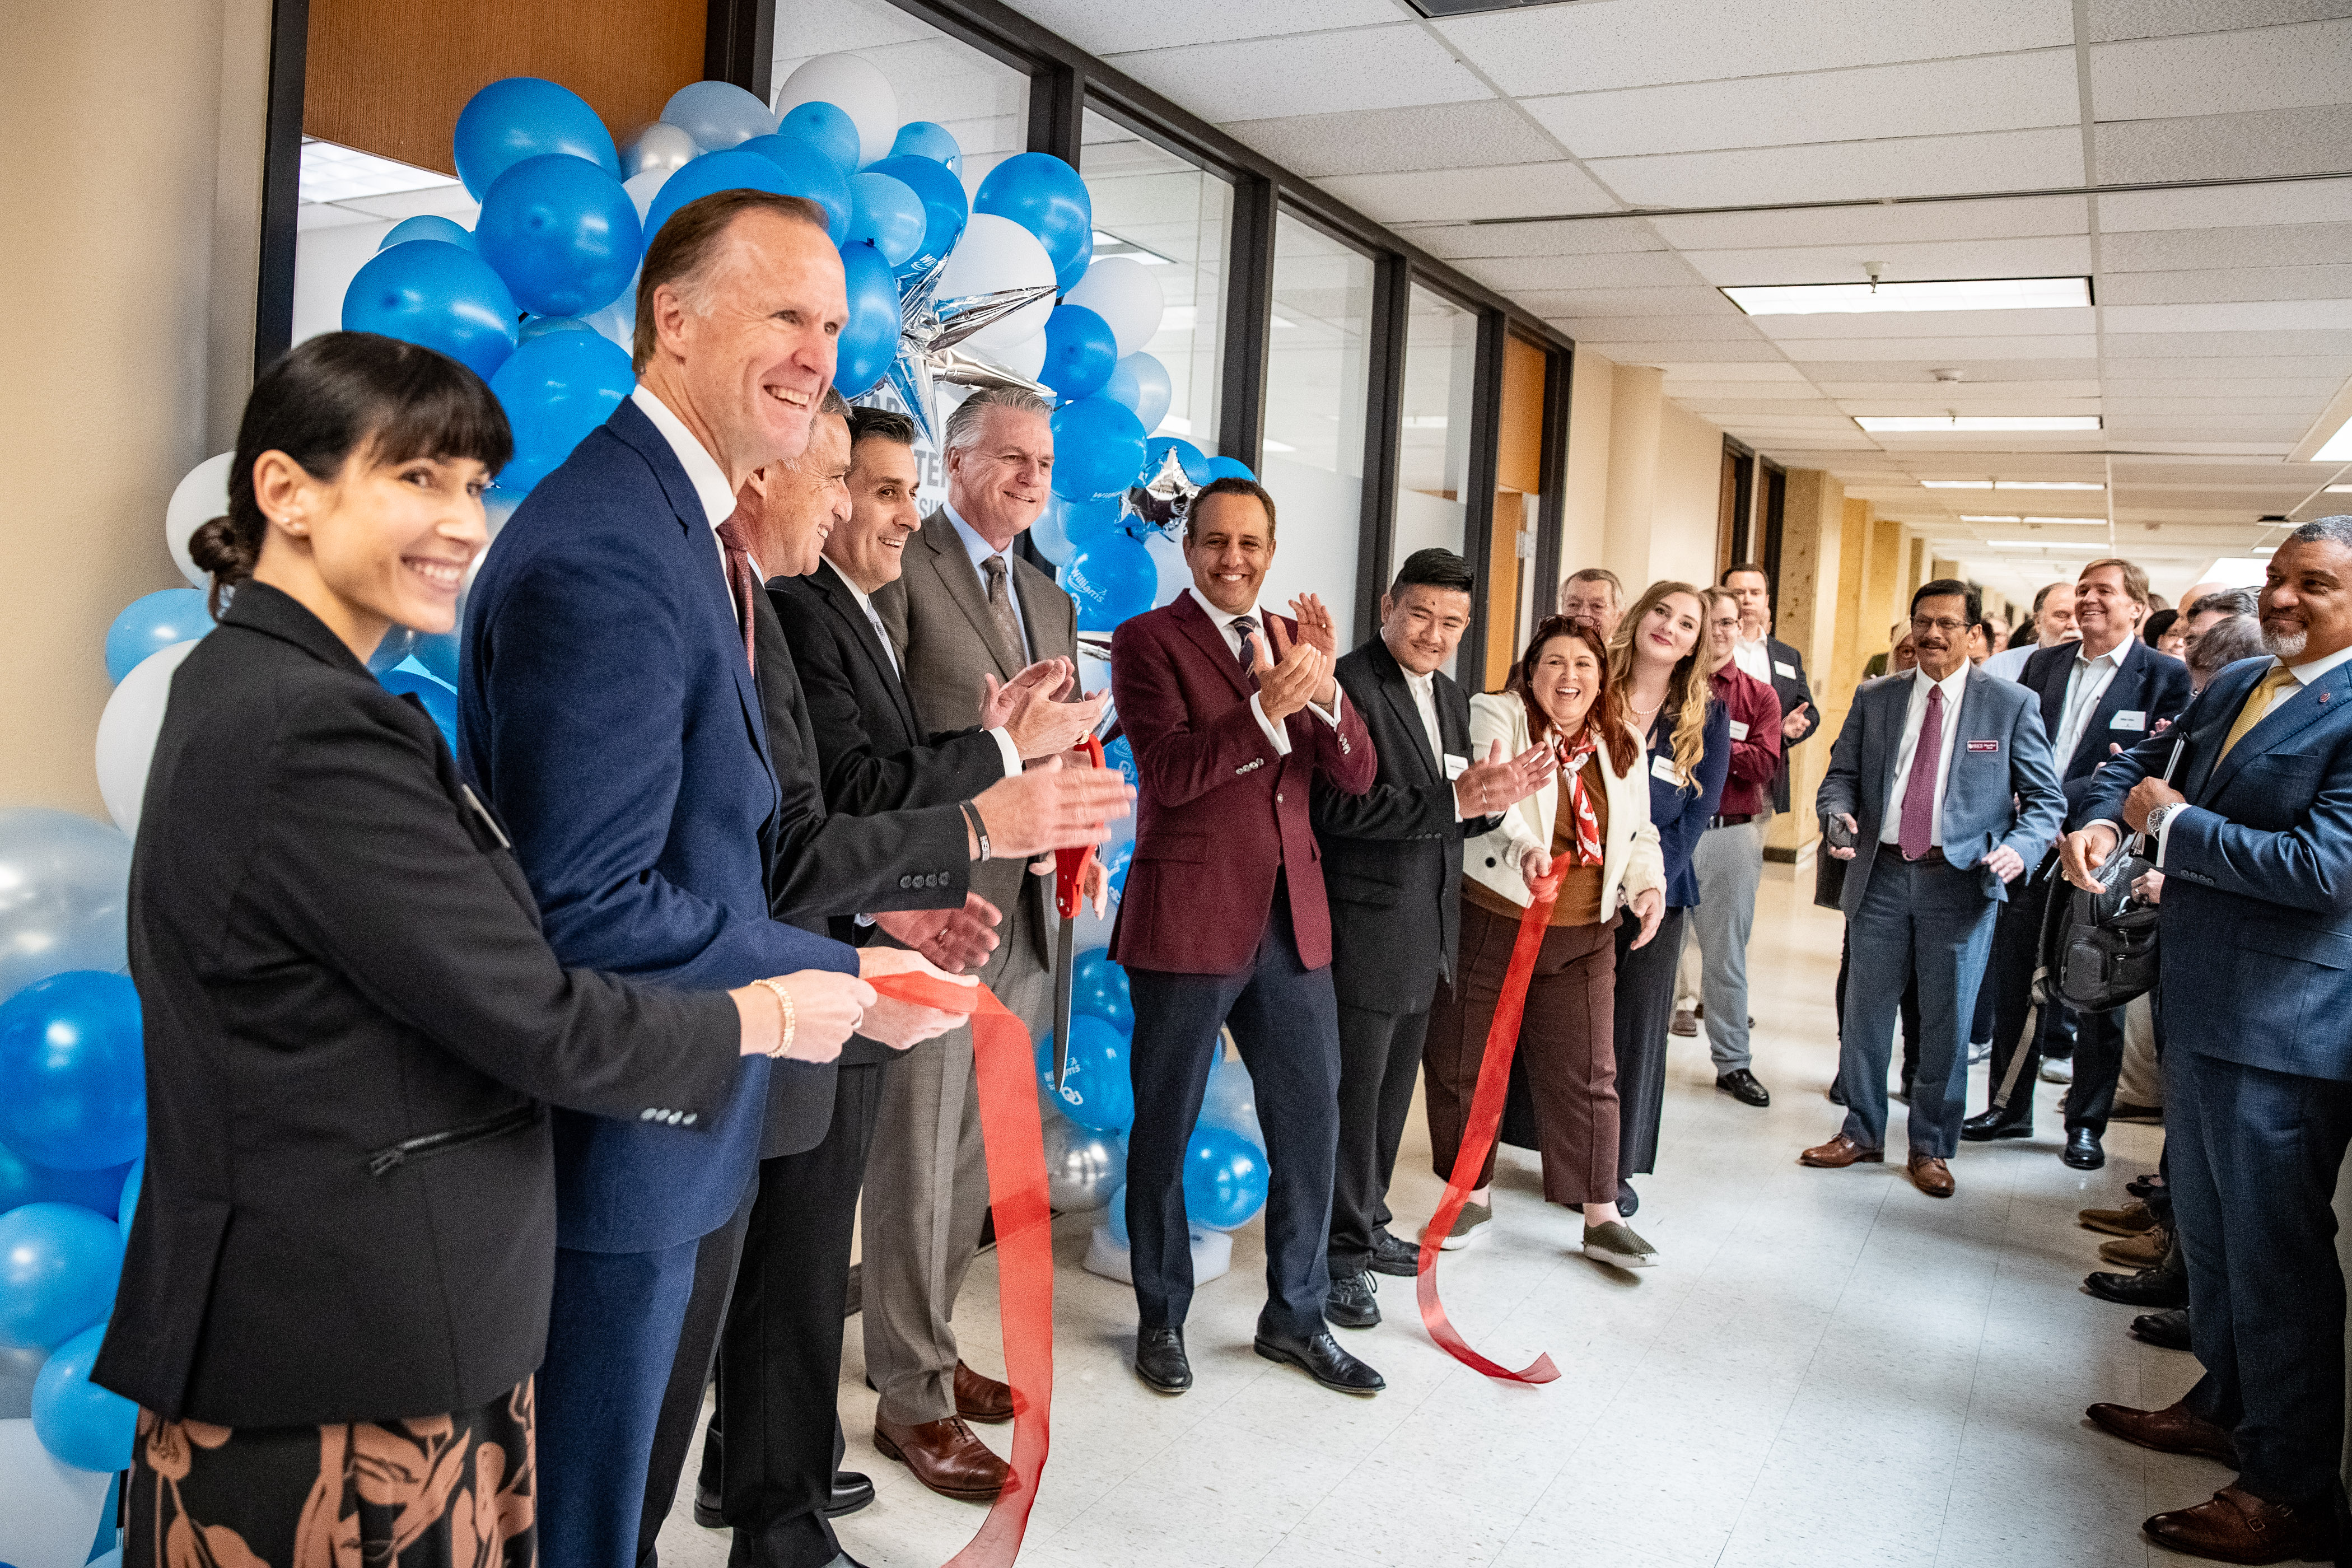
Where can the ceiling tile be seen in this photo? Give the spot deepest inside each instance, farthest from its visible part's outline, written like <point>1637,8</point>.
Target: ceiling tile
<point>2213,285</point>
<point>2226,146</point>
<point>1862,349</point>
<point>2190,249</point>
<point>1307,73</point>
<point>1976,370</point>
<point>1743,372</point>
<point>1881,226</point>
<point>1103,29</point>
<point>1528,277</point>
<point>1438,195</point>
<point>1379,141</point>
<point>1667,354</point>
<point>2139,364</point>
<point>1839,170</point>
<point>1727,394</point>
<point>2314,389</point>
<point>2297,67</point>
<point>1543,241</point>
<point>2113,19</point>
<point>1961,395</point>
<point>2260,316</point>
<point>2291,202</point>
<point>2055,256</point>
<point>1695,302</point>
<point>1646,329</point>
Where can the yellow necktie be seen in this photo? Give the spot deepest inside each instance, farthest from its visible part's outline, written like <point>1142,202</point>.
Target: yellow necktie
<point>2267,694</point>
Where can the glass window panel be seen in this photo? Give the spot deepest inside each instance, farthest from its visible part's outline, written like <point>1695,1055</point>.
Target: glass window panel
<point>1315,397</point>
<point>1433,490</point>
<point>1176,218</point>
<point>983,101</point>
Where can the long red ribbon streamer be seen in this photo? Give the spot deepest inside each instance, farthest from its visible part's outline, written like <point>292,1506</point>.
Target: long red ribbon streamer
<point>1486,1117</point>
<point>1025,1245</point>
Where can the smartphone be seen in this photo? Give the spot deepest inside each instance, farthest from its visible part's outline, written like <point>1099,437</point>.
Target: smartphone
<point>1836,833</point>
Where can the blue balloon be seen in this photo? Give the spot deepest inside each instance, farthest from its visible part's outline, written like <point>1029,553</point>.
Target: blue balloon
<point>1112,578</point>
<point>806,172</point>
<point>127,1201</point>
<point>73,1074</point>
<point>1120,754</point>
<point>437,651</point>
<point>562,233</point>
<point>1046,533</point>
<point>928,138</point>
<point>78,1422</point>
<point>426,226</point>
<point>540,326</point>
<point>440,703</point>
<point>1080,352</point>
<point>22,1182</point>
<point>946,209</point>
<point>1189,458</point>
<point>1098,989</point>
<point>741,168</point>
<point>1097,449</point>
<point>1122,855</point>
<point>58,1264</point>
<point>888,215</point>
<point>555,390</point>
<point>438,295</point>
<point>1232,1100</point>
<point>1045,196</point>
<point>152,624</point>
<point>867,346</point>
<point>718,114</point>
<point>828,129</point>
<point>1224,1178</point>
<point>524,117</point>
<point>1141,383</point>
<point>1117,1217</point>
<point>1229,468</point>
<point>1095,1091</point>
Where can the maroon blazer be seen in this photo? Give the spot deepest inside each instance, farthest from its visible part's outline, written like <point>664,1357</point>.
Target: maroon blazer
<point>1220,812</point>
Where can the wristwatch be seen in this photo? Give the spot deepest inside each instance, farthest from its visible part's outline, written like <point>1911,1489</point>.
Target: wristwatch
<point>2159,817</point>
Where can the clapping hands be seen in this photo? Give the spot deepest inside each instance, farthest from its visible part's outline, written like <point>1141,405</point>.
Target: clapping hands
<point>1293,675</point>
<point>1500,782</point>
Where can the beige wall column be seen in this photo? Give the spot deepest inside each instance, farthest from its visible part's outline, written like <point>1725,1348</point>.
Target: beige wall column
<point>1584,493</point>
<point>134,336</point>
<point>1856,638</point>
<point>1636,395</point>
<point>1811,546</point>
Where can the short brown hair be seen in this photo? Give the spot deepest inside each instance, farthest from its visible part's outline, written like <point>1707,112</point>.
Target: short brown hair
<point>2135,580</point>
<point>1737,567</point>
<point>1231,485</point>
<point>688,240</point>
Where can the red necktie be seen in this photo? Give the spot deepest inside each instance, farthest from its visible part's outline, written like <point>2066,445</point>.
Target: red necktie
<point>1917,834</point>
<point>741,578</point>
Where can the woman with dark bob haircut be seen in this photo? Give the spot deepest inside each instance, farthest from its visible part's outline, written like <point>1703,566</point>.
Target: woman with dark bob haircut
<point>336,1288</point>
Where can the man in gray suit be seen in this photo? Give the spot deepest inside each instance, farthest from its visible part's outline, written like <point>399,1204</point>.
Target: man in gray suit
<point>1943,780</point>
<point>965,608</point>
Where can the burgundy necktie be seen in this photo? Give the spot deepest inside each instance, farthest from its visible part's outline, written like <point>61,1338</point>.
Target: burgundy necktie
<point>741,578</point>
<point>1917,834</point>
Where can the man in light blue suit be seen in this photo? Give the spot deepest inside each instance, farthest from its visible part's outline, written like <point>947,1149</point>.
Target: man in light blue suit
<point>2253,836</point>
<point>1943,777</point>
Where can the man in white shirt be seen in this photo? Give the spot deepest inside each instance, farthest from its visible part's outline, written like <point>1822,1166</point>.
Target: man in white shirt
<point>2054,622</point>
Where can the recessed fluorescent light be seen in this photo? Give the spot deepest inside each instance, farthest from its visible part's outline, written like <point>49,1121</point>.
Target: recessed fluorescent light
<point>2339,490</point>
<point>1956,484</point>
<point>2029,544</point>
<point>2337,447</point>
<point>1965,294</point>
<point>2076,521</point>
<point>2048,485</point>
<point>1971,424</point>
<point>332,174</point>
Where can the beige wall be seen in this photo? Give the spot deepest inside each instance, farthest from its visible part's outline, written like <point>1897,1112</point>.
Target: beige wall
<point>1688,497</point>
<point>128,239</point>
<point>1812,540</point>
<point>1643,474</point>
<point>1585,492</point>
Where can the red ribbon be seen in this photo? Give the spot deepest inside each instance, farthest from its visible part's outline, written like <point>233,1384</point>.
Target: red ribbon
<point>1025,1244</point>
<point>1486,1117</point>
<point>1070,865</point>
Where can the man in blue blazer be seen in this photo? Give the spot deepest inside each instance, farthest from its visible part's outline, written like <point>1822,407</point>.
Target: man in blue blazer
<point>2254,839</point>
<point>1943,777</point>
<point>2108,691</point>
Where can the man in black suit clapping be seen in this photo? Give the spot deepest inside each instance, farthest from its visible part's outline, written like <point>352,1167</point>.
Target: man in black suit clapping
<point>1392,865</point>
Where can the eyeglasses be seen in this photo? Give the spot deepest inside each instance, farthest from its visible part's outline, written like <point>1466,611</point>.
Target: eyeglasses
<point>1947,626</point>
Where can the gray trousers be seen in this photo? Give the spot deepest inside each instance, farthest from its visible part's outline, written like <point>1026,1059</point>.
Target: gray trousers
<point>926,1181</point>
<point>1729,864</point>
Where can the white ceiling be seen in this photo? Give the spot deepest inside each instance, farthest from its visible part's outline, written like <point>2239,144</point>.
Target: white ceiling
<point>2223,326</point>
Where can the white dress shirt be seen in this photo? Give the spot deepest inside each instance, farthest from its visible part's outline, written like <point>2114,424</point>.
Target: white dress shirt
<point>1753,655</point>
<point>1223,621</point>
<point>980,549</point>
<point>1890,830</point>
<point>1425,702</point>
<point>2305,674</point>
<point>2008,664</point>
<point>1006,749</point>
<point>2085,684</point>
<point>702,471</point>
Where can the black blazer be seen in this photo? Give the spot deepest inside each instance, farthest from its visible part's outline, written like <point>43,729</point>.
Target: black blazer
<point>1791,689</point>
<point>2151,684</point>
<point>1392,855</point>
<point>351,1022</point>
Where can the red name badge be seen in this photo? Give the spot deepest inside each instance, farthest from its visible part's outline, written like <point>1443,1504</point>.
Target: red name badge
<point>1984,745</point>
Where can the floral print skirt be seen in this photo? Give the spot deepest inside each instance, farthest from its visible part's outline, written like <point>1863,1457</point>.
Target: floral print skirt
<point>440,1491</point>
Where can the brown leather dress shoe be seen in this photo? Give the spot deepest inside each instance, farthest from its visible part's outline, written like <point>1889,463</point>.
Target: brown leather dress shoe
<point>2132,1219</point>
<point>945,1457</point>
<point>2175,1429</point>
<point>2239,1527</point>
<point>1839,1152</point>
<point>2144,1250</point>
<point>981,1399</point>
<point>1930,1175</point>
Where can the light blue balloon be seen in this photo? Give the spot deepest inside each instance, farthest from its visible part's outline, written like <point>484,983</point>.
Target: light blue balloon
<point>78,1422</point>
<point>73,1073</point>
<point>1045,196</point>
<point>1080,352</point>
<point>524,117</point>
<point>562,233</point>
<point>1097,449</point>
<point>946,209</point>
<point>436,651</point>
<point>555,390</point>
<point>1096,1090</point>
<point>1112,578</point>
<point>438,295</point>
<point>1231,1102</point>
<point>22,1182</point>
<point>439,702</point>
<point>928,138</point>
<point>127,1202</point>
<point>64,895</point>
<point>59,1265</point>
<point>828,129</point>
<point>803,169</point>
<point>1098,989</point>
<point>1189,458</point>
<point>427,225</point>
<point>152,624</point>
<point>1223,468</point>
<point>863,352</point>
<point>717,114</point>
<point>885,213</point>
<point>1224,1178</point>
<point>1122,854</point>
<point>1140,383</point>
<point>1120,754</point>
<point>539,326</point>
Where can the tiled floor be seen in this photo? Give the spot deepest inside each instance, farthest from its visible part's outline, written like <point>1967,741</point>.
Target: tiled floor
<point>1826,1367</point>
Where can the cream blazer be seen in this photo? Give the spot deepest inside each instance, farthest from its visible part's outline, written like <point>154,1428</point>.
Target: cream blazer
<point>1631,861</point>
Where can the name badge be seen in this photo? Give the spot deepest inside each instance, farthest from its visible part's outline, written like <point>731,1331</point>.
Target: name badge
<point>1455,766</point>
<point>1738,730</point>
<point>1984,745</point>
<point>2130,719</point>
<point>1662,766</point>
<point>1785,671</point>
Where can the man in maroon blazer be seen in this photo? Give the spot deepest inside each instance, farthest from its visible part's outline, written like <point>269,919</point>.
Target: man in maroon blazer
<point>1232,713</point>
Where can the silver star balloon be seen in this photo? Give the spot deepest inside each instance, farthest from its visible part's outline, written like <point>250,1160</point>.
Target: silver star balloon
<point>930,329</point>
<point>1163,499</point>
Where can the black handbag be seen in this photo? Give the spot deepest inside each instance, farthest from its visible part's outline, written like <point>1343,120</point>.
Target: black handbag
<point>2098,950</point>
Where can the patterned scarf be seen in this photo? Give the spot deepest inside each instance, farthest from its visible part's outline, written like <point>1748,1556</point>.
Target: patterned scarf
<point>1572,758</point>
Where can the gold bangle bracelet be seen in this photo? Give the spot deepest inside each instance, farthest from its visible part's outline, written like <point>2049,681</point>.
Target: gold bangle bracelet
<point>791,1021</point>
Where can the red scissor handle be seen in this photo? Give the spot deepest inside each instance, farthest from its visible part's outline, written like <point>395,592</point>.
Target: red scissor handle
<point>1070,865</point>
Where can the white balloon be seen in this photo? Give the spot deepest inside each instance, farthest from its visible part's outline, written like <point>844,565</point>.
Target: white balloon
<point>996,253</point>
<point>660,148</point>
<point>48,1510</point>
<point>1175,576</point>
<point>854,86</point>
<point>127,731</point>
<point>1124,293</point>
<point>617,322</point>
<point>198,499</point>
<point>641,188</point>
<point>1025,358</point>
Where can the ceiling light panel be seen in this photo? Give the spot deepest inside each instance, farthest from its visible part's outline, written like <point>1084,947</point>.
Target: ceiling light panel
<point>332,174</point>
<point>1859,298</point>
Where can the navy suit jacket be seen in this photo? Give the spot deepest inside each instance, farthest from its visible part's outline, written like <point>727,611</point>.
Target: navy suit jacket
<point>1680,811</point>
<point>2001,789</point>
<point>2153,685</point>
<point>606,710</point>
<point>2257,911</point>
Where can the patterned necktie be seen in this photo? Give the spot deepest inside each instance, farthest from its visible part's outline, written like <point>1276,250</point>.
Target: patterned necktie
<point>999,609</point>
<point>1242,627</point>
<point>741,579</point>
<point>2259,702</point>
<point>1917,834</point>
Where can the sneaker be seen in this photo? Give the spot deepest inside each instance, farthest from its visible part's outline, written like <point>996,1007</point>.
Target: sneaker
<point>1466,1226</point>
<point>2058,1071</point>
<point>1616,1244</point>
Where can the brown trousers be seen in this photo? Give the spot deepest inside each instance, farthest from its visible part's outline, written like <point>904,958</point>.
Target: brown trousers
<point>1568,1039</point>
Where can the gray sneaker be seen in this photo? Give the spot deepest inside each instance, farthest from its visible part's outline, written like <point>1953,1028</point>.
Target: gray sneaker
<point>1615,1243</point>
<point>1466,1226</point>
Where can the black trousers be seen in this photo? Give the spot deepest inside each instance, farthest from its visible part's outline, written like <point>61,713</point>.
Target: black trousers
<point>1285,1020</point>
<point>2016,950</point>
<point>1380,1062</point>
<point>1645,1007</point>
<point>689,1373</point>
<point>772,1449</point>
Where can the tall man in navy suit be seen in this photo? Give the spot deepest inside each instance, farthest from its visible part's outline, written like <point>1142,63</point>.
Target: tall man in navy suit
<point>1944,779</point>
<point>2254,839</point>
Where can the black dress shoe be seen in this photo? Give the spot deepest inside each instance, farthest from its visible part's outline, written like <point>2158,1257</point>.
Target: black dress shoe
<point>706,1509</point>
<point>851,1492</point>
<point>1397,1260</point>
<point>1987,1126</point>
<point>1741,1084</point>
<point>1319,1355</point>
<point>2151,1289</point>
<point>2141,1186</point>
<point>1160,1360</point>
<point>1350,1303</point>
<point>2168,1330</point>
<point>1628,1200</point>
<point>2082,1151</point>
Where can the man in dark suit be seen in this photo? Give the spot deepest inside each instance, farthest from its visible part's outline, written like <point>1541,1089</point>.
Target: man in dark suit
<point>1945,782</point>
<point>1775,663</point>
<point>1232,714</point>
<point>1393,869</point>
<point>2099,695</point>
<point>2255,839</point>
